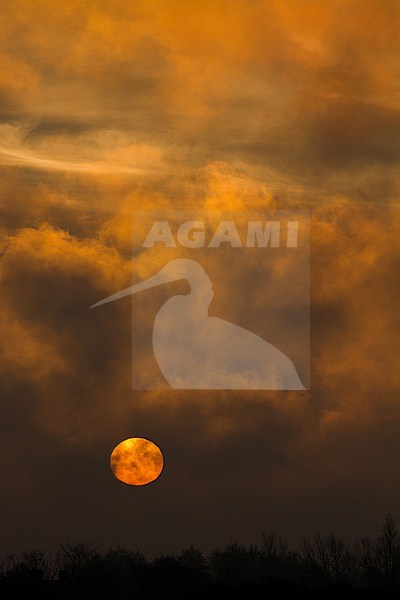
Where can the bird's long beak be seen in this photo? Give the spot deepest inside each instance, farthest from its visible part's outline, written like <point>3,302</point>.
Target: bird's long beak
<point>157,279</point>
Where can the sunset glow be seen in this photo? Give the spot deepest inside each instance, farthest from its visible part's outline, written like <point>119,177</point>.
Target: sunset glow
<point>109,109</point>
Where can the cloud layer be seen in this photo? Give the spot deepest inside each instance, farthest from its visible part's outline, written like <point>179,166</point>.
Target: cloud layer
<point>228,106</point>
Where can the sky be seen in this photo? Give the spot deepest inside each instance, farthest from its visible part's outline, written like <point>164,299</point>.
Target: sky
<point>246,105</point>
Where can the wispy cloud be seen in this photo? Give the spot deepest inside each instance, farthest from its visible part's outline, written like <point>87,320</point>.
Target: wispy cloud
<point>101,152</point>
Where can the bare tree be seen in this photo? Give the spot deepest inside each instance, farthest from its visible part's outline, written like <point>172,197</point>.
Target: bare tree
<point>330,555</point>
<point>274,546</point>
<point>366,562</point>
<point>194,560</point>
<point>388,553</point>
<point>51,566</point>
<point>235,564</point>
<point>77,559</point>
<point>7,566</point>
<point>29,566</point>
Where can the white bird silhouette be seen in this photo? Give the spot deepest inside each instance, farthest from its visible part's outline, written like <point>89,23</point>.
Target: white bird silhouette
<point>196,351</point>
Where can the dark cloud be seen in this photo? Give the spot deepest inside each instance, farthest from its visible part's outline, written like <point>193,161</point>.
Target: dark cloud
<point>48,127</point>
<point>355,133</point>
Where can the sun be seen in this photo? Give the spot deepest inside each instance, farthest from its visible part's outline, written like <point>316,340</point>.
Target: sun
<point>136,461</point>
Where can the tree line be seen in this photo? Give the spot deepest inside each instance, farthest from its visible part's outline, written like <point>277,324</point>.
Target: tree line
<point>323,563</point>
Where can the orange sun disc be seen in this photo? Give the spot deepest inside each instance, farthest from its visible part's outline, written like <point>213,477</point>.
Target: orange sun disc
<point>137,461</point>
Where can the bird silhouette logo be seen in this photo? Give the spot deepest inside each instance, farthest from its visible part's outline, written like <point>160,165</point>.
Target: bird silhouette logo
<point>196,351</point>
